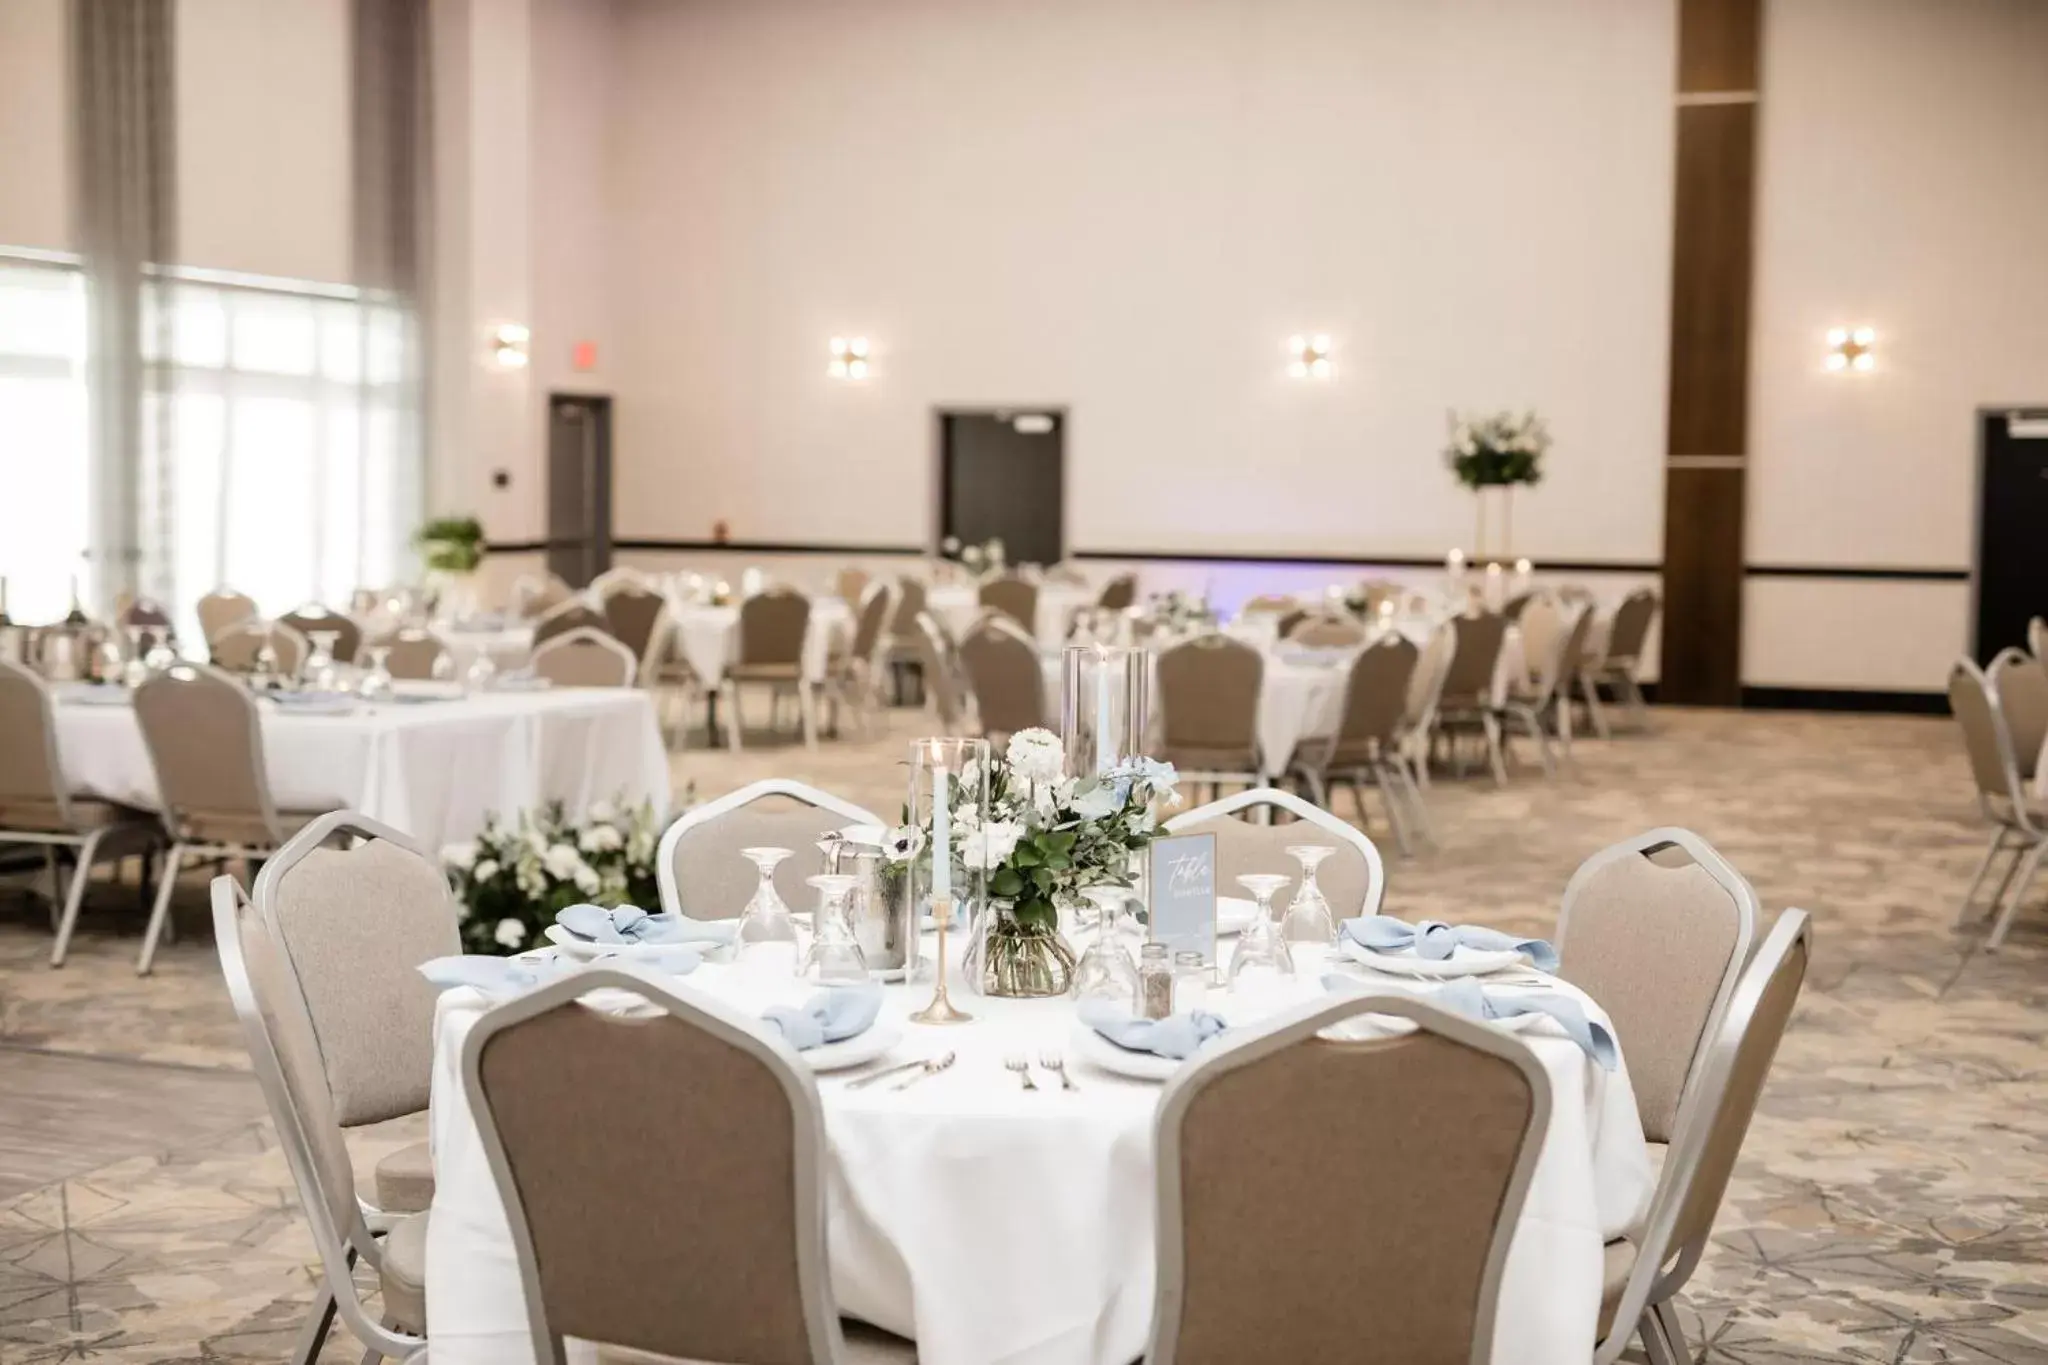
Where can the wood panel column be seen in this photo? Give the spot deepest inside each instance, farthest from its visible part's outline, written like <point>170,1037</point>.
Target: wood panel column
<point>1707,440</point>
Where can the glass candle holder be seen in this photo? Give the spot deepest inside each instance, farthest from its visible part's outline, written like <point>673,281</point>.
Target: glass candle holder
<point>1104,706</point>
<point>946,776</point>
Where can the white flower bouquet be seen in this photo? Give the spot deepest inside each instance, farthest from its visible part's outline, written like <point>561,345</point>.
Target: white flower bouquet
<point>515,876</point>
<point>1501,448</point>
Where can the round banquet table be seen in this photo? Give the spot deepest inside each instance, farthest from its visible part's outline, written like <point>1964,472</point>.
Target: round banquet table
<point>998,1226</point>
<point>958,605</point>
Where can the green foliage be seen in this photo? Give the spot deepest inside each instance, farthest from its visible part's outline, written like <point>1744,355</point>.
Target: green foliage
<point>451,544</point>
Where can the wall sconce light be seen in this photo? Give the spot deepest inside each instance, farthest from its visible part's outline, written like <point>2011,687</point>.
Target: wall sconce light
<point>849,357</point>
<point>508,345</point>
<point>1310,356</point>
<point>1851,348</point>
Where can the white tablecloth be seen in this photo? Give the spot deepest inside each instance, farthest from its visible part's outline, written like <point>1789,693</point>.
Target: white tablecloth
<point>510,648</point>
<point>1297,701</point>
<point>958,605</point>
<point>999,1227</point>
<point>433,769</point>
<point>708,637</point>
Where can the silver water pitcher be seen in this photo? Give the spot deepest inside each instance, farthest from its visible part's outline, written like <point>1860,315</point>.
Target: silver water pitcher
<point>883,922</point>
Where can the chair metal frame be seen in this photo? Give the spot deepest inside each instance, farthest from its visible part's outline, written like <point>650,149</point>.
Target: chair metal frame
<point>1233,1052</point>
<point>1388,768</point>
<point>739,799</point>
<point>589,635</point>
<point>2022,822</point>
<point>806,689</point>
<point>1270,797</point>
<point>730,1026</point>
<point>1645,1305</point>
<point>1619,671</point>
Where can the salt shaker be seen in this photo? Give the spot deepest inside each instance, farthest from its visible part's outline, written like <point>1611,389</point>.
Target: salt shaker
<point>1155,982</point>
<point>1190,982</point>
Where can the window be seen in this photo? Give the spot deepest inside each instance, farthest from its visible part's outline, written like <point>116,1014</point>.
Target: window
<point>43,460</point>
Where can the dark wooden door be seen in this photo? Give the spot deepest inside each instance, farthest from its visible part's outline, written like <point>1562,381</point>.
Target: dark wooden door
<point>2012,527</point>
<point>1002,476</point>
<point>579,486</point>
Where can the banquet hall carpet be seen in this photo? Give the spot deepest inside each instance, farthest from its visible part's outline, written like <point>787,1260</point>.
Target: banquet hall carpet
<point>1891,1205</point>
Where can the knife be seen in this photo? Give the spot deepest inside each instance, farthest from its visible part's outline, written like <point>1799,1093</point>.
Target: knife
<point>931,1068</point>
<point>898,1070</point>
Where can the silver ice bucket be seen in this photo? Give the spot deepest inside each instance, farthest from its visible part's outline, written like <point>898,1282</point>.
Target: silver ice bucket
<point>883,922</point>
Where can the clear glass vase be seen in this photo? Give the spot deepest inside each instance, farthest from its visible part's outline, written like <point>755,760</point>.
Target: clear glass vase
<point>952,772</point>
<point>1104,706</point>
<point>1023,961</point>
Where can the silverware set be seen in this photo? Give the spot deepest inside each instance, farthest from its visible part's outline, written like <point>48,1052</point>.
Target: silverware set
<point>922,1069</point>
<point>1050,1061</point>
<point>910,1073</point>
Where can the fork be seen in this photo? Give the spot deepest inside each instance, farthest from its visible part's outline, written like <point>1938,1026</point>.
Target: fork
<point>1021,1064</point>
<point>1057,1065</point>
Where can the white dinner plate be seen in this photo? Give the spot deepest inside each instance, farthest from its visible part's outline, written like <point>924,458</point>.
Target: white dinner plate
<point>425,689</point>
<point>1091,1047</point>
<point>855,1051</point>
<point>1392,1025</point>
<point>1234,915</point>
<point>1463,961</point>
<point>584,950</point>
<point>520,682</point>
<point>90,694</point>
<point>314,704</point>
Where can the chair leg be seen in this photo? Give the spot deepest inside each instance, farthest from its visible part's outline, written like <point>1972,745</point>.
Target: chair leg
<point>1991,852</point>
<point>2029,865</point>
<point>1661,1327</point>
<point>1494,755</point>
<point>1594,711</point>
<point>313,1335</point>
<point>1415,801</point>
<point>1533,723</point>
<point>1397,819</point>
<point>74,897</point>
<point>166,882</point>
<point>730,691</point>
<point>807,712</point>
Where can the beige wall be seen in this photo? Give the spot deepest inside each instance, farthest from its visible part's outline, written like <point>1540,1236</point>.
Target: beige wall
<point>35,126</point>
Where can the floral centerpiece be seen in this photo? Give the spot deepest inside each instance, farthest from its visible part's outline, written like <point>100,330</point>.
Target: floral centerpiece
<point>514,877</point>
<point>1179,613</point>
<point>976,559</point>
<point>1498,450</point>
<point>1043,839</point>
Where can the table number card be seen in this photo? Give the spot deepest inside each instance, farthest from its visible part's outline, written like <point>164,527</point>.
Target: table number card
<point>1180,893</point>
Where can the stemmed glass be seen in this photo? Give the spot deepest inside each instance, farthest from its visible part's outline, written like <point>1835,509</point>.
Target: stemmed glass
<point>765,940</point>
<point>835,958</point>
<point>1308,917</point>
<point>1263,961</point>
<point>375,684</point>
<point>136,671</point>
<point>481,673</point>
<point>1105,970</point>
<point>322,675</point>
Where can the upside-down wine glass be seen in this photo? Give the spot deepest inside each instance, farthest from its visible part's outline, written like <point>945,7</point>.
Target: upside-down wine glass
<point>375,684</point>
<point>835,958</point>
<point>1263,963</point>
<point>1105,970</point>
<point>765,940</point>
<point>1308,918</point>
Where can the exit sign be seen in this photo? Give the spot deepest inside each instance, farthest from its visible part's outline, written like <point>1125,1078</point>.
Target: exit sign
<point>583,355</point>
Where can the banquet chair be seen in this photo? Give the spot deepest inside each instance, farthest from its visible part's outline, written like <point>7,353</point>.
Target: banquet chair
<point>772,629</point>
<point>1209,711</point>
<point>239,648</point>
<point>205,741</point>
<point>2020,682</point>
<point>1327,632</point>
<point>574,614</point>
<point>1119,594</point>
<point>585,657</point>
<point>1367,741</point>
<point>621,576</point>
<point>1270,604</point>
<point>903,644</point>
<point>941,662</point>
<point>2019,825</point>
<point>416,655</point>
<point>637,617</point>
<point>1702,1156</point>
<point>698,865</point>
<point>854,675</point>
<point>737,1220</point>
<point>1542,702</point>
<point>1518,605</point>
<point>1620,660</point>
<point>353,925</point>
<point>1656,929</point>
<point>1425,689</point>
<point>1014,597</point>
<point>1354,879</point>
<point>285,1052</point>
<point>1466,698</point>
<point>221,608</point>
<point>851,583</point>
<point>1004,672</point>
<point>37,807</point>
<point>313,618</point>
<point>1433,1137</point>
<point>146,615</point>
<point>534,597</point>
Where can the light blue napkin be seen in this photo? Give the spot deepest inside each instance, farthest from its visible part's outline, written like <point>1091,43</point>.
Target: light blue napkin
<point>1433,940</point>
<point>1474,1001</point>
<point>500,977</point>
<point>829,1016</point>
<point>631,924</point>
<point>1177,1036</point>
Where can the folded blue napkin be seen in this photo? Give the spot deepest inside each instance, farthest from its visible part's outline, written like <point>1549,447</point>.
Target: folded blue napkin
<point>631,924</point>
<point>829,1016</point>
<point>1474,1001</point>
<point>1177,1036</point>
<point>507,976</point>
<point>1433,940</point>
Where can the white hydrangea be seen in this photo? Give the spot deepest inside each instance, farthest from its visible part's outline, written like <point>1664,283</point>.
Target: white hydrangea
<point>587,881</point>
<point>601,812</point>
<point>600,839</point>
<point>510,933</point>
<point>563,862</point>
<point>484,870</point>
<point>990,845</point>
<point>1035,756</point>
<point>462,855</point>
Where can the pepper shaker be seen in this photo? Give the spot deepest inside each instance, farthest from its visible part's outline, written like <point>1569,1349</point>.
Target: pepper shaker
<point>1155,982</point>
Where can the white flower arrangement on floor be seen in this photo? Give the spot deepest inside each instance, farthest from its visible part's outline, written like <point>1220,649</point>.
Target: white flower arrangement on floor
<point>514,877</point>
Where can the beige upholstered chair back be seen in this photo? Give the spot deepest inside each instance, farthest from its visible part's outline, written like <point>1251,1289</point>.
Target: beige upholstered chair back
<point>348,636</point>
<point>355,924</point>
<point>222,608</point>
<point>1993,764</point>
<point>772,627</point>
<point>1541,619</point>
<point>1571,652</point>
<point>872,611</point>
<point>1553,665</point>
<point>1656,929</point>
<point>700,868</point>
<point>941,671</point>
<point>1014,597</point>
<point>1002,667</point>
<point>205,740</point>
<point>1209,703</point>
<point>734,1226</point>
<point>32,789</point>
<point>2037,638</point>
<point>1631,626</point>
<point>571,614</point>
<point>1426,683</point>
<point>2020,683</point>
<point>415,654</point>
<point>1295,1171</point>
<point>1270,604</point>
<point>1376,698</point>
<point>144,612</point>
<point>536,597</point>
<point>1327,632</point>
<point>1469,680</point>
<point>632,614</point>
<point>236,648</point>
<point>585,657</point>
<point>910,599</point>
<point>1119,594</point>
<point>852,585</point>
<point>1353,878</point>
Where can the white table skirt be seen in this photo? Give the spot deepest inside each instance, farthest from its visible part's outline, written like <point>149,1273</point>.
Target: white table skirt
<point>958,605</point>
<point>998,1226</point>
<point>708,637</point>
<point>433,769</point>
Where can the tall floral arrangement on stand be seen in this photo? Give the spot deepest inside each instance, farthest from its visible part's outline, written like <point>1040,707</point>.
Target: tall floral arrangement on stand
<point>1497,450</point>
<point>519,873</point>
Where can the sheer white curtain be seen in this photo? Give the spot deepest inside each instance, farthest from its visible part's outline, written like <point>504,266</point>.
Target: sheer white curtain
<point>45,513</point>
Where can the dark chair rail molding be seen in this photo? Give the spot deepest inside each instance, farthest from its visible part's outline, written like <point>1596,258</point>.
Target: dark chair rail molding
<point>1859,571</point>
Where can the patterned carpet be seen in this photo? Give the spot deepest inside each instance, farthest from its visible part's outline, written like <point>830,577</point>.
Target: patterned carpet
<point>1891,1206</point>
